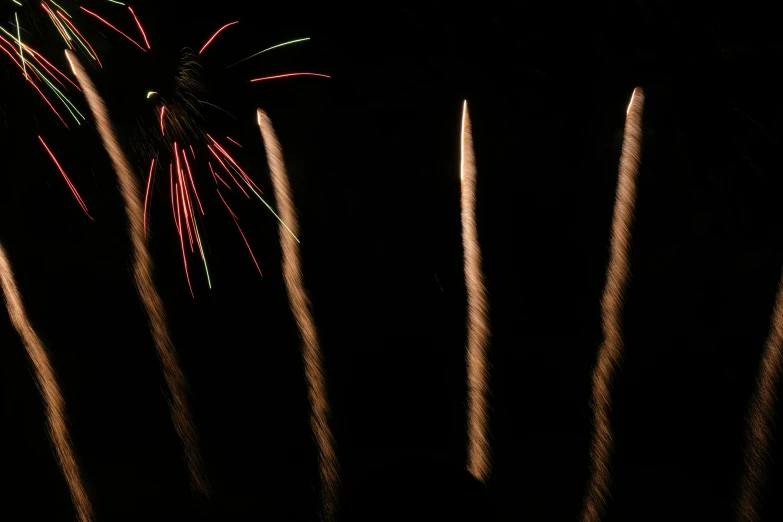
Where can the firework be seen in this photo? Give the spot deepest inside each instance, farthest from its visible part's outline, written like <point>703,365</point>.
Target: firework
<point>47,384</point>
<point>142,267</point>
<point>760,417</point>
<point>67,180</point>
<point>479,463</point>
<point>300,306</point>
<point>617,276</point>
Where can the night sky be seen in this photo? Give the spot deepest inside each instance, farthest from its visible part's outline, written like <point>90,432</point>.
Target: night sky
<point>373,156</point>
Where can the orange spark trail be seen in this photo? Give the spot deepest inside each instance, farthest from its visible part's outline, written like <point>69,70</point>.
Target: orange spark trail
<point>215,35</point>
<point>760,417</point>
<point>162,112</point>
<point>479,463</point>
<point>300,306</point>
<point>142,271</point>
<point>289,74</point>
<point>47,384</point>
<point>617,275</point>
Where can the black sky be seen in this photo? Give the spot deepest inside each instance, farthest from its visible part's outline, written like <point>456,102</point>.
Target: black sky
<point>373,158</point>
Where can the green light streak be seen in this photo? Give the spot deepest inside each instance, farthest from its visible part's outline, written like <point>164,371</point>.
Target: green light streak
<point>63,10</point>
<point>21,53</point>
<point>68,103</point>
<point>84,46</point>
<point>264,202</point>
<point>116,2</point>
<point>151,93</point>
<point>203,257</point>
<point>17,3</point>
<point>268,49</point>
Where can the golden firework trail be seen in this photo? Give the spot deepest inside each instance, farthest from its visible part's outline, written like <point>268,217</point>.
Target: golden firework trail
<point>617,275</point>
<point>300,306</point>
<point>50,390</point>
<point>761,413</point>
<point>142,271</point>
<point>479,462</point>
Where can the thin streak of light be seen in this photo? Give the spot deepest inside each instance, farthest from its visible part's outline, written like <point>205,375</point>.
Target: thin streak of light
<point>300,306</point>
<point>21,52</point>
<point>182,242</point>
<point>209,147</point>
<point>479,462</point>
<point>215,35</point>
<point>147,195</point>
<point>67,180</point>
<point>82,39</point>
<point>162,112</point>
<point>60,7</point>
<point>215,175</point>
<point>143,34</point>
<point>234,142</point>
<point>19,27</point>
<point>142,267</point>
<point>192,183</point>
<point>617,277</point>
<point>236,222</point>
<point>46,380</point>
<point>134,42</point>
<point>215,106</point>
<point>289,74</point>
<point>268,49</point>
<point>233,161</point>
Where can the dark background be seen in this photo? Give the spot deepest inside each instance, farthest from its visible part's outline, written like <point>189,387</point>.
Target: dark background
<point>373,159</point>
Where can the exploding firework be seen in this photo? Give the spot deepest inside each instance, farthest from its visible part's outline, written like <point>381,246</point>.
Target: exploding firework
<point>617,276</point>
<point>175,137</point>
<point>300,306</point>
<point>50,390</point>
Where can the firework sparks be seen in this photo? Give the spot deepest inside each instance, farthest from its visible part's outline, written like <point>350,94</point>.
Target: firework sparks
<point>47,384</point>
<point>134,42</point>
<point>67,180</point>
<point>479,463</point>
<point>142,264</point>
<point>300,306</point>
<point>617,276</point>
<point>215,35</point>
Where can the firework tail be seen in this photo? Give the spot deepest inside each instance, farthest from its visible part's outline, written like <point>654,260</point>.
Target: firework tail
<point>50,390</point>
<point>760,417</point>
<point>617,276</point>
<point>300,306</point>
<point>142,271</point>
<point>479,454</point>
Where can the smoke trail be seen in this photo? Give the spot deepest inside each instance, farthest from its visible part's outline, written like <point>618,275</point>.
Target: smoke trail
<point>300,306</point>
<point>47,384</point>
<point>142,271</point>
<point>479,463</point>
<point>761,411</point>
<point>617,275</point>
